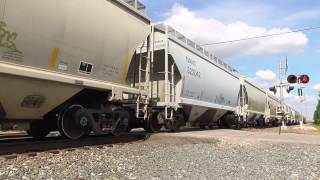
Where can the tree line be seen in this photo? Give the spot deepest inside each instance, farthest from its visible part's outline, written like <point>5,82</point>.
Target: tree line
<point>316,115</point>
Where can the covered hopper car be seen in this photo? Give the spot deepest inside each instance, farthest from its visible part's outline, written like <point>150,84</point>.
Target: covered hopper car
<point>189,85</point>
<point>98,66</point>
<point>63,64</point>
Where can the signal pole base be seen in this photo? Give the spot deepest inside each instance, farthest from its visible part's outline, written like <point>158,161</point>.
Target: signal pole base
<point>283,126</point>
<point>301,125</point>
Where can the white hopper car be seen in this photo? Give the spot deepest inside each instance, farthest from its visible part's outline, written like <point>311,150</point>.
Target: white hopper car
<point>190,85</point>
<point>63,64</point>
<point>78,66</point>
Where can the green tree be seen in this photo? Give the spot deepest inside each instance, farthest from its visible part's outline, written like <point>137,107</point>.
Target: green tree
<point>316,115</point>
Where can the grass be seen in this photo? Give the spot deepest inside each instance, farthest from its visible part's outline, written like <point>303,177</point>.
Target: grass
<point>317,126</point>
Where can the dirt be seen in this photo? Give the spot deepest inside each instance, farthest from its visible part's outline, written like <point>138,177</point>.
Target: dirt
<point>293,135</point>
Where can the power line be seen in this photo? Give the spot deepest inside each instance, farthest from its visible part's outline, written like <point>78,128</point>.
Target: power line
<point>263,36</point>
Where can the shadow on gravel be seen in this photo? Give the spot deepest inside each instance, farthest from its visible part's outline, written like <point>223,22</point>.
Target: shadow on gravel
<point>26,144</point>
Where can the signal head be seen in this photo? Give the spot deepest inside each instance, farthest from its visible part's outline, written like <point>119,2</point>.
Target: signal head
<point>304,79</point>
<point>292,79</point>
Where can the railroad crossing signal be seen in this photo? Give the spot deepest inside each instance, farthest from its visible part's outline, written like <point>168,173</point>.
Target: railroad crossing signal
<point>301,79</point>
<point>293,79</point>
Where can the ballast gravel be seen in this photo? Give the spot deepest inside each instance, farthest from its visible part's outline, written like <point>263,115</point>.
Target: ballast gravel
<point>171,158</point>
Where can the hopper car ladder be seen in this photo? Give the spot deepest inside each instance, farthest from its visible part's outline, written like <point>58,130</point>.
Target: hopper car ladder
<point>143,83</point>
<point>170,93</point>
<point>146,59</point>
<point>170,86</point>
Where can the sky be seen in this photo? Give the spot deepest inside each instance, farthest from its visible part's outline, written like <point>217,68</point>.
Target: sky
<point>210,21</point>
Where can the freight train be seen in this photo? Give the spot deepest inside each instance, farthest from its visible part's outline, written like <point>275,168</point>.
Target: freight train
<point>99,66</point>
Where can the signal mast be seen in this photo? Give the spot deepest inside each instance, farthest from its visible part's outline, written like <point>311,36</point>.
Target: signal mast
<point>291,79</point>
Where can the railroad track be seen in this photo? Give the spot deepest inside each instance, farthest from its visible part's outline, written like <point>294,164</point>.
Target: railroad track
<point>11,148</point>
<point>5,135</point>
<point>13,144</point>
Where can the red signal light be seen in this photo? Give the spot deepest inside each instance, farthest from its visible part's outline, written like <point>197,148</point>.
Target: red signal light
<point>304,79</point>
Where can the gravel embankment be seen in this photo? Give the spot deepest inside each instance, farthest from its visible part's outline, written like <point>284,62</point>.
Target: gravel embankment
<point>172,158</point>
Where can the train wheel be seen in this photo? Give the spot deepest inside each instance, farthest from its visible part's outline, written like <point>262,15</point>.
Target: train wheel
<point>120,122</point>
<point>74,122</point>
<point>229,121</point>
<point>268,124</point>
<point>172,125</point>
<point>177,121</point>
<point>153,125</point>
<point>129,129</point>
<point>39,129</point>
<point>238,125</point>
<point>260,123</point>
